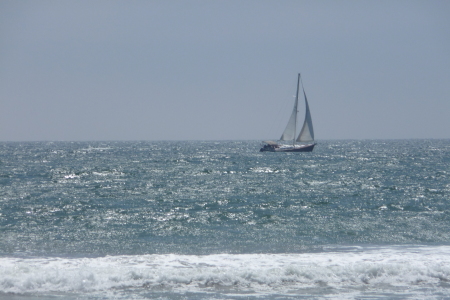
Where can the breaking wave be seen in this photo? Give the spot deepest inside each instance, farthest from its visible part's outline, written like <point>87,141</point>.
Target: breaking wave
<point>416,270</point>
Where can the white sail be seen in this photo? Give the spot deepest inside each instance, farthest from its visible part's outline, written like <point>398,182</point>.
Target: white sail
<point>289,132</point>
<point>307,132</point>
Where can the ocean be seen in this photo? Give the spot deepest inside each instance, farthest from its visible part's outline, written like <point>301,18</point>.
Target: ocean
<point>355,219</point>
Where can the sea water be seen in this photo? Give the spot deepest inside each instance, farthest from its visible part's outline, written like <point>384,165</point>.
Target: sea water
<point>221,220</point>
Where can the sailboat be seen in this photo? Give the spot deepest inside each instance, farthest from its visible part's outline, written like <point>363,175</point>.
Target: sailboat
<point>306,136</point>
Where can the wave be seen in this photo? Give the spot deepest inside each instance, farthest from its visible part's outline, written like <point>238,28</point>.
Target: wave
<point>411,269</point>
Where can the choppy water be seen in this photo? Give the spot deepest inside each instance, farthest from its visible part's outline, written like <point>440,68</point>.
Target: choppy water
<point>202,220</point>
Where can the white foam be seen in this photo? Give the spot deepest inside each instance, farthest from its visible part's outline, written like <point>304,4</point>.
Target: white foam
<point>408,268</point>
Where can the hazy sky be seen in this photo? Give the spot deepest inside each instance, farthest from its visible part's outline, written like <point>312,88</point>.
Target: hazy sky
<point>222,70</point>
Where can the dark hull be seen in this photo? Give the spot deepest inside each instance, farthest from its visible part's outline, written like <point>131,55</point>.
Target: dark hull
<point>306,148</point>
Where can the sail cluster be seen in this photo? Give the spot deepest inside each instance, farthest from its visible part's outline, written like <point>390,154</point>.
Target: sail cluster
<point>307,131</point>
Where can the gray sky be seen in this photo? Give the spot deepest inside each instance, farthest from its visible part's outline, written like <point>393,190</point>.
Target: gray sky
<point>222,70</point>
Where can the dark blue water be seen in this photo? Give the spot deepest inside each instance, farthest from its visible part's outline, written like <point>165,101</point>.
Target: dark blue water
<point>103,220</point>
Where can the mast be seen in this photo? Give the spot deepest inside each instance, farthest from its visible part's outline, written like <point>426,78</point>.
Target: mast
<point>296,108</point>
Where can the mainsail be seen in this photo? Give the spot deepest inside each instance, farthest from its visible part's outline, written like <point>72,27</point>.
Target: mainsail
<point>289,132</point>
